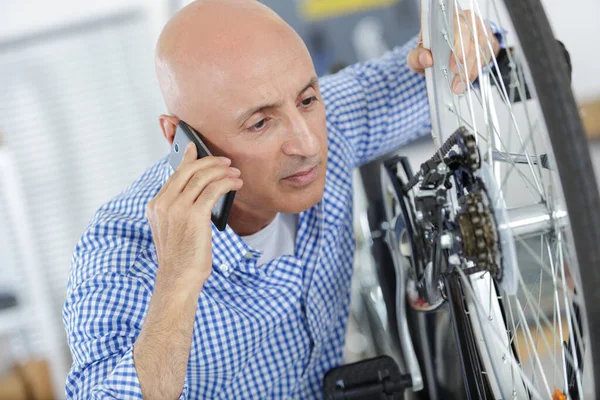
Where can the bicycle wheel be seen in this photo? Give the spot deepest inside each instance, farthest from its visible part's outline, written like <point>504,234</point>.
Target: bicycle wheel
<point>531,306</point>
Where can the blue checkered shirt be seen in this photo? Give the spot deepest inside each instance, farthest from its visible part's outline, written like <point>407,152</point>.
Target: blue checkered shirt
<point>260,332</point>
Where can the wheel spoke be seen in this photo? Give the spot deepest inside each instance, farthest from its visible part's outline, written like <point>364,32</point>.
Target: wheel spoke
<point>517,158</point>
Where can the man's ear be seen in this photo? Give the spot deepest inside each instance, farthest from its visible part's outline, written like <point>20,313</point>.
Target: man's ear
<point>168,124</point>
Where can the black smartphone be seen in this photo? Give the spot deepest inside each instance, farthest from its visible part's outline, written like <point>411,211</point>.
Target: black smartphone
<point>183,135</point>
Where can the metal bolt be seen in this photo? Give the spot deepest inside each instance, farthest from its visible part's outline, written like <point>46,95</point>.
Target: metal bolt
<point>446,241</point>
<point>419,215</point>
<point>442,288</point>
<point>442,169</point>
<point>442,5</point>
<point>454,259</point>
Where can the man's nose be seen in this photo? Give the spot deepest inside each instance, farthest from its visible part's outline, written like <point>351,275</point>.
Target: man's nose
<point>300,140</point>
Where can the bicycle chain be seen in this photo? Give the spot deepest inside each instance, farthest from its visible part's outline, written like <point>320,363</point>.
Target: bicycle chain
<point>461,137</point>
<point>472,152</point>
<point>480,245</point>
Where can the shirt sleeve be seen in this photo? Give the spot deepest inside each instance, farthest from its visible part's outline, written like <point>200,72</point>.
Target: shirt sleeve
<point>377,105</point>
<point>103,316</point>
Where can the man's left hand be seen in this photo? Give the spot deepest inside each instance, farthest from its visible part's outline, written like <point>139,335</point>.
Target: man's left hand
<point>465,49</point>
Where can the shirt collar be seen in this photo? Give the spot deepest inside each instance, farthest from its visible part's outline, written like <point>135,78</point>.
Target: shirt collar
<point>229,249</point>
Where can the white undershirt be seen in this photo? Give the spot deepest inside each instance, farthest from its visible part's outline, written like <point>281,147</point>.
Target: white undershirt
<point>276,239</point>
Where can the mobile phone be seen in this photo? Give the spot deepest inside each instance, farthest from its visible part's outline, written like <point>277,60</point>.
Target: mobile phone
<point>185,134</point>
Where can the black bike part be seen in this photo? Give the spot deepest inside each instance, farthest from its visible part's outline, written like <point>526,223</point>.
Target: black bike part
<point>506,69</point>
<point>571,373</point>
<point>422,336</point>
<point>377,378</point>
<point>430,165</point>
<point>390,168</point>
<point>476,383</point>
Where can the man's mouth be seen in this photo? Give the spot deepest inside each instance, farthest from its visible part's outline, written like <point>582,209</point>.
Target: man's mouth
<point>303,177</point>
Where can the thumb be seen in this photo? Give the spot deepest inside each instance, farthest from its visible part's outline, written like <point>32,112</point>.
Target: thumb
<point>419,59</point>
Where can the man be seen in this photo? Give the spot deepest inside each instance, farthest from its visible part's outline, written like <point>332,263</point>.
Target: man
<point>161,304</point>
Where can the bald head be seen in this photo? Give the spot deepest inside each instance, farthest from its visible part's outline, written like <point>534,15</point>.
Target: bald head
<point>212,43</point>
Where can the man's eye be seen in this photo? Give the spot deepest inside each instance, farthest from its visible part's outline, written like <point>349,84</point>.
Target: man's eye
<point>259,125</point>
<point>308,101</point>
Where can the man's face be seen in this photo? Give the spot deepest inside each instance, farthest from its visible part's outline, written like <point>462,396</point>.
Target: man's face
<point>268,117</point>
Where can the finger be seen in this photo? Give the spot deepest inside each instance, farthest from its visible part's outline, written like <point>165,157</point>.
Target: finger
<point>180,178</point>
<point>211,194</point>
<point>460,61</point>
<point>201,179</point>
<point>419,59</point>
<point>484,35</point>
<point>480,30</point>
<point>459,86</point>
<point>185,171</point>
<point>462,43</point>
<point>460,82</point>
<point>474,67</point>
<point>456,65</point>
<point>485,42</point>
<point>189,154</point>
<point>460,75</point>
<point>462,47</point>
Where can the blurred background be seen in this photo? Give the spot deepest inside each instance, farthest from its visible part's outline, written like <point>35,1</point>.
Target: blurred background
<point>79,108</point>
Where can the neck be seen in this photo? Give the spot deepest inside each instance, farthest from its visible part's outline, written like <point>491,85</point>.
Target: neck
<point>246,220</point>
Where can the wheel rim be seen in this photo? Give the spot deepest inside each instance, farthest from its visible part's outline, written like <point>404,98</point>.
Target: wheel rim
<point>544,310</point>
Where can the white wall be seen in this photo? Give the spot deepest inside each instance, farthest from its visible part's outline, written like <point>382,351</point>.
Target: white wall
<point>24,17</point>
<point>21,18</point>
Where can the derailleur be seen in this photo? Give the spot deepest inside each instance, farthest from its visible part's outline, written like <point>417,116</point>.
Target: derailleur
<point>442,218</point>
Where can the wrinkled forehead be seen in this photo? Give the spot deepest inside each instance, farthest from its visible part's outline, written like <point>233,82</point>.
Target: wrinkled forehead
<point>272,74</point>
<point>263,70</point>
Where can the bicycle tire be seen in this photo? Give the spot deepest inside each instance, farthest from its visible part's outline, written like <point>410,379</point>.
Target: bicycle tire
<point>550,77</point>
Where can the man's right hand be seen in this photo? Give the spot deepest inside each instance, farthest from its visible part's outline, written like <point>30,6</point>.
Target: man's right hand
<point>180,217</point>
